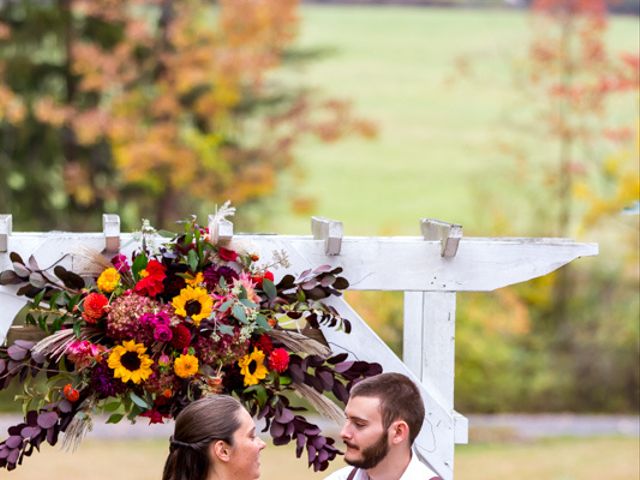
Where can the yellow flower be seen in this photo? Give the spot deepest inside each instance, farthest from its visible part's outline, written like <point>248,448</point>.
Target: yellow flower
<point>129,362</point>
<point>108,280</point>
<point>193,302</point>
<point>186,366</point>
<point>252,367</point>
<point>195,281</point>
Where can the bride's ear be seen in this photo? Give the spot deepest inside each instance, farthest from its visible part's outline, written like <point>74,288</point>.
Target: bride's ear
<point>220,451</point>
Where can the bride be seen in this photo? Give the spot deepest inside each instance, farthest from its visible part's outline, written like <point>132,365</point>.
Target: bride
<point>214,439</point>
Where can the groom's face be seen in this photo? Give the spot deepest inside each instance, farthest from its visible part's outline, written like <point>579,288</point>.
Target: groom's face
<point>363,433</point>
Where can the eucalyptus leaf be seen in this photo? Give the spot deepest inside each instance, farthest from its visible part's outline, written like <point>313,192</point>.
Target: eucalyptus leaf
<point>226,306</point>
<point>226,329</point>
<point>262,321</point>
<point>269,288</point>
<point>238,312</point>
<point>248,303</point>
<point>138,401</point>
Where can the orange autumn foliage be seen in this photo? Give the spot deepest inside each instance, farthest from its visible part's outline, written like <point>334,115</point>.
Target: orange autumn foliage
<point>181,94</point>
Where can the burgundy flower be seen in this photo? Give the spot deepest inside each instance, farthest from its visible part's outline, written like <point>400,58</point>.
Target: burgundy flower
<point>212,276</point>
<point>103,383</point>
<point>153,415</point>
<point>173,283</point>
<point>181,337</point>
<point>264,343</point>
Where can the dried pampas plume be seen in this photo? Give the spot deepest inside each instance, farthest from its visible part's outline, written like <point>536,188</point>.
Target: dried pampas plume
<point>55,345</point>
<point>90,262</point>
<point>321,403</point>
<point>75,432</point>
<point>298,342</point>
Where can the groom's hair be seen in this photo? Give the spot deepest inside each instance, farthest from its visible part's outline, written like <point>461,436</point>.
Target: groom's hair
<point>399,400</point>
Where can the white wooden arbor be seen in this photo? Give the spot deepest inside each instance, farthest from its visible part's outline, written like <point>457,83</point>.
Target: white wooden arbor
<point>429,269</point>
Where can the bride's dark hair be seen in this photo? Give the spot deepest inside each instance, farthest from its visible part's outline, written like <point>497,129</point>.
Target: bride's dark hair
<point>208,419</point>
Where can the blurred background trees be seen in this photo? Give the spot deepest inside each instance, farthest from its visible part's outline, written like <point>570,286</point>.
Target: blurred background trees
<point>571,341</point>
<point>151,109</point>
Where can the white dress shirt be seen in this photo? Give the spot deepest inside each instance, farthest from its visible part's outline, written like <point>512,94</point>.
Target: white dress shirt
<point>416,470</point>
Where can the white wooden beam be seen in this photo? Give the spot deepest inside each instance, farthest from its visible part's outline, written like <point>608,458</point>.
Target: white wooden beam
<point>370,263</point>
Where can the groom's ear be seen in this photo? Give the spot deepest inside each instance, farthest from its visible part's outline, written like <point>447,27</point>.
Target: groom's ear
<point>220,450</point>
<point>399,432</point>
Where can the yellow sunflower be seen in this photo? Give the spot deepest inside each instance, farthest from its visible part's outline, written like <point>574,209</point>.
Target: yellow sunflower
<point>252,367</point>
<point>194,303</point>
<point>186,366</point>
<point>108,280</point>
<point>129,362</point>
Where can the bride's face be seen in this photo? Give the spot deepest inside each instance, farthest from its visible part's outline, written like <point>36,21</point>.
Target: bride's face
<point>245,453</point>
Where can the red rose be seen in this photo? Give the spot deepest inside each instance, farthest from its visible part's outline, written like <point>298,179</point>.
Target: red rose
<point>227,255</point>
<point>181,337</point>
<point>151,283</point>
<point>279,360</point>
<point>70,393</point>
<point>95,306</point>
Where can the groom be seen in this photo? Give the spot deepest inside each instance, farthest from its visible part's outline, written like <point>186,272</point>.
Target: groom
<point>384,415</point>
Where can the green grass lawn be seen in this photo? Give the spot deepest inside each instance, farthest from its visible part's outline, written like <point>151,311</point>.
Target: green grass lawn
<point>437,131</point>
<point>564,459</point>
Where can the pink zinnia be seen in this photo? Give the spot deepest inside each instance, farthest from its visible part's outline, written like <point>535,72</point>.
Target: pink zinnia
<point>120,263</point>
<point>162,333</point>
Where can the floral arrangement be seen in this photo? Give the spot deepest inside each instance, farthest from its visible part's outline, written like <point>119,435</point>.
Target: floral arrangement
<point>144,336</point>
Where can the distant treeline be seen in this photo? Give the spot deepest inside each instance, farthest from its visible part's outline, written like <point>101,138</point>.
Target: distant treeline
<point>629,7</point>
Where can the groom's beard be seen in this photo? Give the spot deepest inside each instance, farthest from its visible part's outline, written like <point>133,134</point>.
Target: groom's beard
<point>372,455</point>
